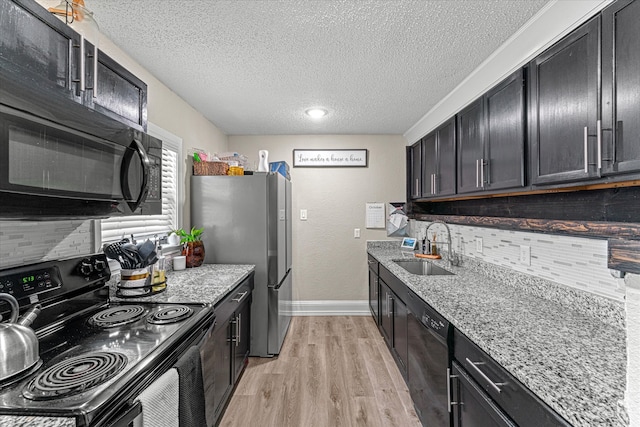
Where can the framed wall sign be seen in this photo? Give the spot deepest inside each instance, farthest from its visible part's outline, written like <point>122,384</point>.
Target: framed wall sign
<point>330,158</point>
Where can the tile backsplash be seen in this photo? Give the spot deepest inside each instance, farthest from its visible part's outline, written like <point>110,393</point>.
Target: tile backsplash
<point>578,262</point>
<point>26,242</point>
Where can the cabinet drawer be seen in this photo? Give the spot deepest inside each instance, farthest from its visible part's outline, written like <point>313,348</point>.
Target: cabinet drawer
<point>395,284</point>
<point>373,264</point>
<point>227,306</point>
<point>524,407</point>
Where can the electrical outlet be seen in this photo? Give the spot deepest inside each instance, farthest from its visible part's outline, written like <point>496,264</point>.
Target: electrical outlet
<point>303,214</point>
<point>525,254</point>
<point>356,233</point>
<point>479,244</point>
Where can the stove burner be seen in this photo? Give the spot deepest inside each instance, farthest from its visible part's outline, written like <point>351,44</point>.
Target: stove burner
<point>117,316</point>
<point>172,314</point>
<point>75,375</point>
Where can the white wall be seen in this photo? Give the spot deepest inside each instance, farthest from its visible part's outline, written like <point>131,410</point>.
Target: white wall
<point>328,261</point>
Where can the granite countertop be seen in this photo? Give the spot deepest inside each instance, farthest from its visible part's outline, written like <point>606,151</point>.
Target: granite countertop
<point>566,346</point>
<point>208,284</point>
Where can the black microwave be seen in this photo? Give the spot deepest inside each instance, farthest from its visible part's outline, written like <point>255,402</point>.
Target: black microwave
<point>72,162</point>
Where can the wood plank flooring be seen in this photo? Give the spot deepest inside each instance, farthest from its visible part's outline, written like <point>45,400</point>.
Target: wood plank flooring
<point>332,371</point>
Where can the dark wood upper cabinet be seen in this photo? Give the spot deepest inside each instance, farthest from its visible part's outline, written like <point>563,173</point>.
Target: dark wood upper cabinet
<point>415,167</point>
<point>439,161</point>
<point>120,94</point>
<point>505,130</point>
<point>620,134</point>
<point>563,108</point>
<point>491,139</point>
<point>471,141</point>
<point>38,49</point>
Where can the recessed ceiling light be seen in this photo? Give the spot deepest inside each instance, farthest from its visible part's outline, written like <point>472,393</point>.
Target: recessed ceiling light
<point>316,113</point>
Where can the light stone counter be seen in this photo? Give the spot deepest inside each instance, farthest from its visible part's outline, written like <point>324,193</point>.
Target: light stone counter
<point>566,346</point>
<point>208,283</point>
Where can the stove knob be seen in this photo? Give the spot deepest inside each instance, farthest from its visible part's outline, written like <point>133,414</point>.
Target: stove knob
<point>99,265</point>
<point>86,267</point>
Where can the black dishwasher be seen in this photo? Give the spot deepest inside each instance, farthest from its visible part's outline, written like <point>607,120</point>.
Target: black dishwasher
<point>428,362</point>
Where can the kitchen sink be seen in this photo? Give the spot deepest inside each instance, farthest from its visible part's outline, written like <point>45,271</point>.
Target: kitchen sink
<point>423,268</point>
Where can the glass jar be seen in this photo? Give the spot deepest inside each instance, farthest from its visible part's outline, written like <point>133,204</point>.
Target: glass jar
<point>235,169</point>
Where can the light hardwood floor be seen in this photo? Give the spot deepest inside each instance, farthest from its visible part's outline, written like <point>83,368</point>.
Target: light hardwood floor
<point>332,371</point>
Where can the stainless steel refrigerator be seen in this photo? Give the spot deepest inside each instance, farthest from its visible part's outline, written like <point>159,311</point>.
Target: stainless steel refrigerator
<point>247,220</point>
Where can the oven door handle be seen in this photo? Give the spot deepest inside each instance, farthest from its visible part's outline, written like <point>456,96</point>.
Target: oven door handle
<point>128,417</point>
<point>136,146</point>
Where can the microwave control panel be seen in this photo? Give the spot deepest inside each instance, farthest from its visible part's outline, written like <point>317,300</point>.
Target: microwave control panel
<point>155,180</point>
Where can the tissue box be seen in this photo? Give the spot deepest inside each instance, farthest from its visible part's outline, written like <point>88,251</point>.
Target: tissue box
<point>281,167</point>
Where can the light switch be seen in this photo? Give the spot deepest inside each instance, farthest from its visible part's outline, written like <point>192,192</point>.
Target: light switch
<point>356,233</point>
<point>303,214</point>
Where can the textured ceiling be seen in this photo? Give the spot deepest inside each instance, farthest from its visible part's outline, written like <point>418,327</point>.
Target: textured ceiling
<point>253,67</point>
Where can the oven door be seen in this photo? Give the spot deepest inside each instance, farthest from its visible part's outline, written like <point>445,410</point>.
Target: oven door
<point>51,171</point>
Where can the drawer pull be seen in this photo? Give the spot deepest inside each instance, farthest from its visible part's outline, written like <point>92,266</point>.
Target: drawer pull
<point>239,297</point>
<point>484,376</point>
<point>449,379</point>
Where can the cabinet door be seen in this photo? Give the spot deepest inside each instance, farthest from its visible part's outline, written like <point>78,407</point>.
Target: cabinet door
<point>119,94</point>
<point>620,88</point>
<point>242,335</point>
<point>429,164</point>
<point>415,177</point>
<point>446,175</point>
<point>472,407</point>
<point>470,128</point>
<point>504,134</point>
<point>563,109</point>
<point>374,295</point>
<point>386,313</point>
<point>38,49</point>
<point>400,337</point>
<point>223,373</point>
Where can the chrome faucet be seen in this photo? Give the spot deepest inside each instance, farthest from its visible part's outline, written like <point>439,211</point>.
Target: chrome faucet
<point>452,257</point>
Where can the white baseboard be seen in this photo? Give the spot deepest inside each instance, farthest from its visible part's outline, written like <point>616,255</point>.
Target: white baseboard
<point>331,308</point>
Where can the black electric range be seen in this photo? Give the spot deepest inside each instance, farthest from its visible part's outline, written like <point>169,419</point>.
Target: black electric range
<point>97,355</point>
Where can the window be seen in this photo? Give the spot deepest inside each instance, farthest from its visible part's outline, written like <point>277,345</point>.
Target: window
<point>112,229</point>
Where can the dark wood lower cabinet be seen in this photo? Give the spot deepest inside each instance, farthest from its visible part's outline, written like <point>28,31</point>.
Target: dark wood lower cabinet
<point>225,352</point>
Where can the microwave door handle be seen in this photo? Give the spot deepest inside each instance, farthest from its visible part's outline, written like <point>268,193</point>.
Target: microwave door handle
<point>124,175</point>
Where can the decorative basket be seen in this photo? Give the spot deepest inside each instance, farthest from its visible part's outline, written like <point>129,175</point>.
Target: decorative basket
<point>210,168</point>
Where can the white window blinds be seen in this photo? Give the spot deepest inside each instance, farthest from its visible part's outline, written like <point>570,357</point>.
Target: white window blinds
<point>113,229</point>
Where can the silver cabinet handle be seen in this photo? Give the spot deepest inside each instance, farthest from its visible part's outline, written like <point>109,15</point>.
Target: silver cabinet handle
<point>599,137</point>
<point>83,84</point>
<point>417,192</point>
<point>240,297</point>
<point>449,386</point>
<point>95,71</point>
<point>477,173</point>
<point>238,329</point>
<point>481,173</point>
<point>586,149</point>
<point>388,305</point>
<point>484,376</point>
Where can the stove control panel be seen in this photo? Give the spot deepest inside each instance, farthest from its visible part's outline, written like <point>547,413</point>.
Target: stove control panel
<point>94,267</point>
<point>25,283</point>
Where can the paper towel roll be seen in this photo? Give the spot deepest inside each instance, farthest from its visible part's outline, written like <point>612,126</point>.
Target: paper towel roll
<point>263,164</point>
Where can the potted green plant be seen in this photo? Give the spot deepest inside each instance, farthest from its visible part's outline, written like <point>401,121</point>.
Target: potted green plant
<point>192,246</point>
